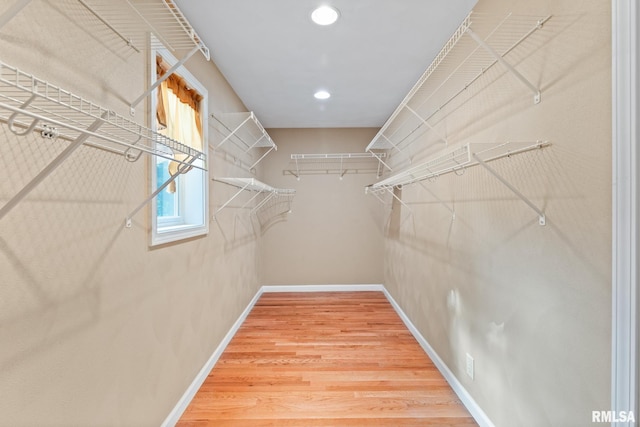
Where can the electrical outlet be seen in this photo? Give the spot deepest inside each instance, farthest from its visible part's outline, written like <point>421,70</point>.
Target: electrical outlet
<point>470,367</point>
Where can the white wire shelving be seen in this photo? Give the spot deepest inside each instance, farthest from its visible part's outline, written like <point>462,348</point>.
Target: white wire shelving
<point>29,104</point>
<point>457,161</point>
<point>270,202</point>
<point>481,42</point>
<point>132,21</point>
<point>244,131</point>
<point>337,164</point>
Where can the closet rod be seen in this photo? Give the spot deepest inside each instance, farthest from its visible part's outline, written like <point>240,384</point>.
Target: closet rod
<point>92,133</point>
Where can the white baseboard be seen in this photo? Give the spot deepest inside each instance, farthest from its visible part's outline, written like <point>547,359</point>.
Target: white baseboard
<point>181,406</point>
<point>322,288</point>
<point>472,406</point>
<point>478,414</point>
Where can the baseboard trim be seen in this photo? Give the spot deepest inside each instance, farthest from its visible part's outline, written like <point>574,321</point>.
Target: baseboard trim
<point>472,406</point>
<point>322,288</point>
<point>174,416</point>
<point>478,414</point>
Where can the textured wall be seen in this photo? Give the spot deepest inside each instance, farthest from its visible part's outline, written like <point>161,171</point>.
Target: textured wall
<point>95,327</point>
<point>531,304</point>
<point>332,236</point>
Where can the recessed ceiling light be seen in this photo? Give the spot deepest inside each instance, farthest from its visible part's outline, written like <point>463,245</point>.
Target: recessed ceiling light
<point>325,15</point>
<point>322,94</point>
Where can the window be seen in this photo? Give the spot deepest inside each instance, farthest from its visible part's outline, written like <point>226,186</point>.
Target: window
<point>179,111</point>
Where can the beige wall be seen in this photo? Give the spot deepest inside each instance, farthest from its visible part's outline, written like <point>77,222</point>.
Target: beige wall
<point>96,328</point>
<point>332,235</point>
<point>531,304</point>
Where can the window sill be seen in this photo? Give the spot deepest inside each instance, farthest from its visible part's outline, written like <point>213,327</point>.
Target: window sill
<point>176,233</point>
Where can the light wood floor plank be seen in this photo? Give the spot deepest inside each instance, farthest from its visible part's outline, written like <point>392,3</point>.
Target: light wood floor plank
<point>324,359</point>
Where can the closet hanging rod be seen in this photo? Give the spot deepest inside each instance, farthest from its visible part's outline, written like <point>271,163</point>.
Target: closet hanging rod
<point>250,184</point>
<point>457,160</point>
<point>21,92</point>
<point>90,133</point>
<point>337,164</point>
<point>338,156</point>
<point>50,108</point>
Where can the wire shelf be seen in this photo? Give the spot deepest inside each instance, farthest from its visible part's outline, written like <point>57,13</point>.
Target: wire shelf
<point>28,104</point>
<point>133,20</point>
<point>270,202</point>
<point>479,43</point>
<point>274,206</point>
<point>455,160</point>
<point>336,164</point>
<point>245,132</point>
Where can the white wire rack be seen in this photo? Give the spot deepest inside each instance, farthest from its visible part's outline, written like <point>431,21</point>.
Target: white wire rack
<point>337,164</point>
<point>245,132</point>
<point>270,202</point>
<point>458,160</point>
<point>29,104</point>
<point>133,21</point>
<point>479,43</point>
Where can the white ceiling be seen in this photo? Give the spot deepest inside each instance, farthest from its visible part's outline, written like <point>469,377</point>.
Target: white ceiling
<point>275,57</point>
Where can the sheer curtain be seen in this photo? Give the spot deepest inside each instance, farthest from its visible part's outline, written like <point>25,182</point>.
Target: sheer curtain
<point>179,113</point>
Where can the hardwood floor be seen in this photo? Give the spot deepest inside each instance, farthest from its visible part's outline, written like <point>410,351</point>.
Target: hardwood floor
<point>325,359</point>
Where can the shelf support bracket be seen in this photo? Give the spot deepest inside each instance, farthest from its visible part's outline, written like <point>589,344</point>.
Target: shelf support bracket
<point>426,123</point>
<point>13,11</point>
<point>262,202</point>
<point>509,67</point>
<point>52,166</point>
<point>183,167</point>
<point>368,190</point>
<point>108,25</point>
<point>380,161</point>
<point>542,220</point>
<point>262,157</point>
<point>392,144</point>
<point>165,76</point>
<point>390,190</point>
<point>230,200</point>
<point>252,199</point>
<point>442,202</point>
<point>232,132</point>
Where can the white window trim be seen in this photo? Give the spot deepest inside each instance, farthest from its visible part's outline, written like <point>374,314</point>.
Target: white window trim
<point>174,233</point>
<point>625,195</point>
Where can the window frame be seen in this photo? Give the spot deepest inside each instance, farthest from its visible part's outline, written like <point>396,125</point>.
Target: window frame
<point>183,227</point>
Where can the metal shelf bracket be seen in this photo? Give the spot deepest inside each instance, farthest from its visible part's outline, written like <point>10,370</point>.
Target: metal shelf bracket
<point>508,66</point>
<point>542,220</point>
<point>52,166</point>
<point>442,202</point>
<point>165,76</point>
<point>184,167</point>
